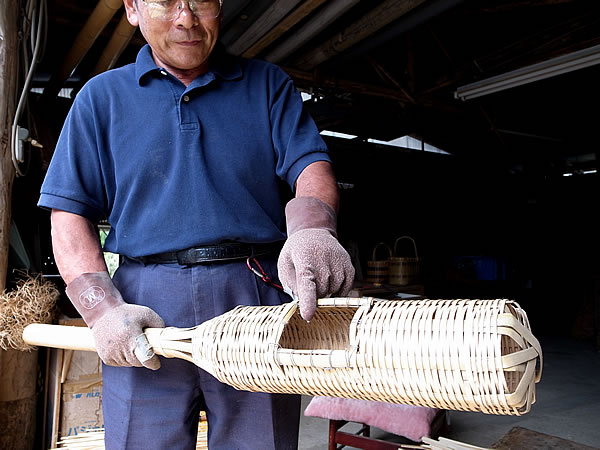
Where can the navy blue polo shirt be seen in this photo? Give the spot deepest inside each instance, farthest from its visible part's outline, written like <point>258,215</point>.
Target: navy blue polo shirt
<point>172,167</point>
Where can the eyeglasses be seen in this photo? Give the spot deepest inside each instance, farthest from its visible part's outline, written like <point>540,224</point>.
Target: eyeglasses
<point>170,9</point>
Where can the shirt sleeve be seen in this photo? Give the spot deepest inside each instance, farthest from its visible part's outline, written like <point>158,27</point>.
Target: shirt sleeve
<point>296,138</point>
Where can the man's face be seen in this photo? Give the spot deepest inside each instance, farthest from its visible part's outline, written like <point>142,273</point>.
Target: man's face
<point>181,41</point>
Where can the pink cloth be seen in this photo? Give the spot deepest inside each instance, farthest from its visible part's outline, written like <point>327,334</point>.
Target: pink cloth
<point>412,422</point>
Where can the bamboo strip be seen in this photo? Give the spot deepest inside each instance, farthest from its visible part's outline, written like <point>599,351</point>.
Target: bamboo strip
<point>93,439</point>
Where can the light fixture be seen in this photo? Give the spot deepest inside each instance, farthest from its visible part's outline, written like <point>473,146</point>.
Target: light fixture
<point>338,134</point>
<point>552,67</point>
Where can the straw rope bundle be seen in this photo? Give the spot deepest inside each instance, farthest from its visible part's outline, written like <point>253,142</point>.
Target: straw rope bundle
<point>467,355</point>
<point>32,301</point>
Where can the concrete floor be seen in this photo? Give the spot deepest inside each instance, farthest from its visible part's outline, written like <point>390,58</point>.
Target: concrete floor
<point>568,404</point>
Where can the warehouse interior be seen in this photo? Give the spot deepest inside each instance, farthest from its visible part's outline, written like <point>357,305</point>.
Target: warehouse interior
<point>496,189</point>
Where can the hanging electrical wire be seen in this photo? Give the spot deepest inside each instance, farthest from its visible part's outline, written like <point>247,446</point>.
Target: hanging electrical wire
<point>33,41</point>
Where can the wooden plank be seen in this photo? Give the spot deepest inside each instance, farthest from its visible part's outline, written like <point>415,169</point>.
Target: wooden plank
<point>296,16</point>
<point>375,20</point>
<point>18,375</point>
<point>53,395</point>
<point>273,15</point>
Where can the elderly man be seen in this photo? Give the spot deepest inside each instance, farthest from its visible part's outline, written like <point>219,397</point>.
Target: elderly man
<point>184,153</point>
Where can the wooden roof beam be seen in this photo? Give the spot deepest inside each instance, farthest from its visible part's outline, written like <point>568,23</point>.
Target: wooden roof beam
<point>278,30</point>
<point>308,80</point>
<point>376,19</point>
<point>329,14</point>
<point>271,17</point>
<point>385,75</point>
<point>100,17</point>
<point>116,45</point>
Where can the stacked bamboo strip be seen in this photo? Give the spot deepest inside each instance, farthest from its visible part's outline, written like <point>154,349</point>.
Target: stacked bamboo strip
<point>89,439</point>
<point>448,444</point>
<point>94,439</point>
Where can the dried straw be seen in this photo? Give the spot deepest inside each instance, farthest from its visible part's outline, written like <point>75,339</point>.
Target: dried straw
<point>32,301</point>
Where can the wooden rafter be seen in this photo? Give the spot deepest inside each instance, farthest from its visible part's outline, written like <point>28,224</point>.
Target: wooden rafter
<point>272,16</point>
<point>278,30</point>
<point>374,20</point>
<point>307,79</point>
<point>385,75</point>
<point>551,42</point>
<point>523,4</point>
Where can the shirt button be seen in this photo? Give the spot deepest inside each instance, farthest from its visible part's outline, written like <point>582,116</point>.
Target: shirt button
<point>163,72</point>
<point>186,98</point>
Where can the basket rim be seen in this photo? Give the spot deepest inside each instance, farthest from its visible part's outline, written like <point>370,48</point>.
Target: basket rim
<point>374,255</point>
<point>396,247</point>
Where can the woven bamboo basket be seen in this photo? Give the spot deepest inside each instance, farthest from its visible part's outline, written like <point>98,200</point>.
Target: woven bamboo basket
<point>378,270</point>
<point>468,355</point>
<point>404,270</point>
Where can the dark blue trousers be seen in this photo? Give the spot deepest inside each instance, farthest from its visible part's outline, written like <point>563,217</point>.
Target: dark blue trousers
<point>145,409</point>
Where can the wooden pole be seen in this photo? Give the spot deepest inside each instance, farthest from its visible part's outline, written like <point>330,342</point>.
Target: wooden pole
<point>8,76</point>
<point>18,370</point>
<point>18,400</point>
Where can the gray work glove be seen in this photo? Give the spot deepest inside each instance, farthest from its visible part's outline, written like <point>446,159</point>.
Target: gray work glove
<point>117,326</point>
<point>312,263</point>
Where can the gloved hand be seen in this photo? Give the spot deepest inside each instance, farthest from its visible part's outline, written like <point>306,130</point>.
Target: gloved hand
<point>117,326</point>
<point>312,263</point>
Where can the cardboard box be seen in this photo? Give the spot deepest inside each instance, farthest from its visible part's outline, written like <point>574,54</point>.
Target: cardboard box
<point>81,399</point>
<point>74,392</point>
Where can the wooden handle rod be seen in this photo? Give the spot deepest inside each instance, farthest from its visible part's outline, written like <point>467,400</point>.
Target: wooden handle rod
<point>59,336</point>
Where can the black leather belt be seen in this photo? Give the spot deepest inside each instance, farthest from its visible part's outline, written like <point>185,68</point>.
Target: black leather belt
<point>211,253</point>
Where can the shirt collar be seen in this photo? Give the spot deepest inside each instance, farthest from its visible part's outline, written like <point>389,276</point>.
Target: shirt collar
<point>222,64</point>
